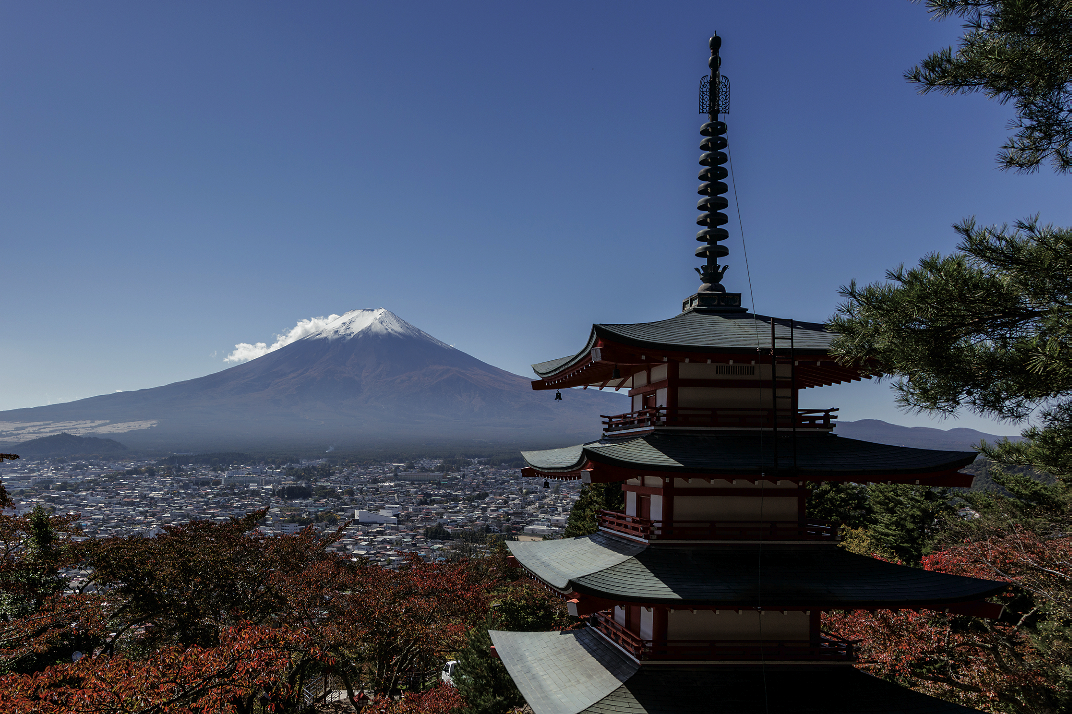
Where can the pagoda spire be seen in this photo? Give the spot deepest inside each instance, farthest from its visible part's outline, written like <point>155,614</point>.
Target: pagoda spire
<point>714,100</point>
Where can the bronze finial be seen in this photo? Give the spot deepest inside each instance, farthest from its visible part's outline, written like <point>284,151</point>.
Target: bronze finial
<point>714,100</point>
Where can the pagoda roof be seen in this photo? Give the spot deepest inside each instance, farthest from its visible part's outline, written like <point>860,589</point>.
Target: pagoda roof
<point>819,456</point>
<point>580,671</point>
<point>742,575</point>
<point>712,336</point>
<point>704,332</point>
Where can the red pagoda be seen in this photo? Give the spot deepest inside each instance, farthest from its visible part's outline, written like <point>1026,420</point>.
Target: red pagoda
<point>705,594</point>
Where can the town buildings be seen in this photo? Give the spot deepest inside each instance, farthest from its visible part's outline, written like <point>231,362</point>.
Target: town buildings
<point>142,496</point>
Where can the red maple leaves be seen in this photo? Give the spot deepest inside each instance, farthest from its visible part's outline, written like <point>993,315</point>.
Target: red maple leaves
<point>221,618</point>
<point>1006,665</point>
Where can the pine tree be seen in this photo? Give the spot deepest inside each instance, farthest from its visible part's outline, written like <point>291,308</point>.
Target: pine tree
<point>843,504</point>
<point>907,518</point>
<point>594,497</point>
<point>481,678</point>
<point>1018,51</point>
<point>988,329</point>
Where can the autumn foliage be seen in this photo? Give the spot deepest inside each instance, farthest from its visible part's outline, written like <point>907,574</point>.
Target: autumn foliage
<point>210,617</point>
<point>1018,663</point>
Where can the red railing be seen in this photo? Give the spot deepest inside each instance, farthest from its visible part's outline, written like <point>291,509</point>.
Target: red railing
<point>722,417</point>
<point>647,530</point>
<point>829,648</point>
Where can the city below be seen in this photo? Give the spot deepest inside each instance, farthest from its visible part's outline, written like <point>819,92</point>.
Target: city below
<point>388,510</point>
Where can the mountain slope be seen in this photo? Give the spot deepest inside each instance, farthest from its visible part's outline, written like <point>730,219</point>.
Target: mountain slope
<point>368,376</point>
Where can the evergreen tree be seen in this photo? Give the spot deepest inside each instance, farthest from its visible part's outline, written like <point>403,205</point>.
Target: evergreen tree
<point>527,608</point>
<point>843,504</point>
<point>906,518</point>
<point>987,328</point>
<point>594,497</point>
<point>481,678</point>
<point>37,547</point>
<point>1018,51</point>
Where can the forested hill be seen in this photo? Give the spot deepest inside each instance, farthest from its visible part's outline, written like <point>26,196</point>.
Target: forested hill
<point>68,445</point>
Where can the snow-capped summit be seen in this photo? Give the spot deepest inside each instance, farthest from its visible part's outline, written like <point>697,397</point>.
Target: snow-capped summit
<point>379,321</point>
<point>366,377</point>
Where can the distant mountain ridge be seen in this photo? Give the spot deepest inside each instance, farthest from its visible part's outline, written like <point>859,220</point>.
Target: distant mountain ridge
<point>920,437</point>
<point>367,377</point>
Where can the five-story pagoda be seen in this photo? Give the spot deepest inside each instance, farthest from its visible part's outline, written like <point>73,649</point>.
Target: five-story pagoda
<point>705,594</point>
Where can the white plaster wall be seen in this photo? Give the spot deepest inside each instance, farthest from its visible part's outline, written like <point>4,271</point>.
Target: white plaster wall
<point>660,397</point>
<point>735,397</point>
<point>729,625</point>
<point>619,615</point>
<point>647,618</point>
<point>640,379</point>
<point>733,508</point>
<point>657,508</point>
<point>630,503</point>
<point>658,373</point>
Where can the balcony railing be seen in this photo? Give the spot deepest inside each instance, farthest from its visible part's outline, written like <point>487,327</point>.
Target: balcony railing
<point>830,647</point>
<point>721,417</point>
<point>647,530</point>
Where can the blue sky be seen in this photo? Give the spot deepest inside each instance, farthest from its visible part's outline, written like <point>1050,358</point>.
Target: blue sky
<point>176,178</point>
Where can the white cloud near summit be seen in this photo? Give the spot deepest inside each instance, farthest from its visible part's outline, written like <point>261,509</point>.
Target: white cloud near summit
<point>244,351</point>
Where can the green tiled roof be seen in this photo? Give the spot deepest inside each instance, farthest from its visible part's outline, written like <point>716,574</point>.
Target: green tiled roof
<point>557,562</point>
<point>703,332</point>
<point>580,668</point>
<point>745,453</point>
<point>579,671</point>
<point>744,575</point>
<point>569,458</point>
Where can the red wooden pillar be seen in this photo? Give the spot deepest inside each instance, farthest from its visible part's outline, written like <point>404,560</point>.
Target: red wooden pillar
<point>671,391</point>
<point>632,619</point>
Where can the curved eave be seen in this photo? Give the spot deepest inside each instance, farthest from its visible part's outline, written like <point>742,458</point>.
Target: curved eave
<point>606,468</point>
<point>566,463</point>
<point>691,337</point>
<point>819,457</point>
<point>551,368</point>
<point>580,672</point>
<point>606,567</point>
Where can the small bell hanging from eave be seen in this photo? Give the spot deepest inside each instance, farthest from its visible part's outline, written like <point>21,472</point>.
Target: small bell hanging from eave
<point>558,395</point>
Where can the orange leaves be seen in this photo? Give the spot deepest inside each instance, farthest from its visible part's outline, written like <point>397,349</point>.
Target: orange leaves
<point>441,699</point>
<point>971,661</point>
<point>1040,563</point>
<point>981,663</point>
<point>220,618</point>
<point>171,679</point>
<point>406,618</point>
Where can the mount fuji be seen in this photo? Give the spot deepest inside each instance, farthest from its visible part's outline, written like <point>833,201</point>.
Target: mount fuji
<point>364,378</point>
